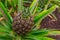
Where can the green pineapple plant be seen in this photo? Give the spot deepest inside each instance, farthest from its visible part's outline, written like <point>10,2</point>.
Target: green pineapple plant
<point>24,25</point>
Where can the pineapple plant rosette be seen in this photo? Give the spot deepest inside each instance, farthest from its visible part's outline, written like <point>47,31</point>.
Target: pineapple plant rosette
<point>25,23</point>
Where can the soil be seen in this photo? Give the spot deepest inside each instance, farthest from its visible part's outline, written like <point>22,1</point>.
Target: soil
<point>48,23</point>
<point>57,37</point>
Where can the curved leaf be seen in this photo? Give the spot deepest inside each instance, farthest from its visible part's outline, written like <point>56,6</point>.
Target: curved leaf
<point>6,12</point>
<point>20,5</point>
<point>33,6</point>
<point>39,38</point>
<point>42,32</point>
<point>43,14</point>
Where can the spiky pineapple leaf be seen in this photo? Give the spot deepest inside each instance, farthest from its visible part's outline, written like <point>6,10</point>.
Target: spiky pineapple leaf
<point>6,4</point>
<point>43,14</point>
<point>3,27</point>
<point>33,6</point>
<point>38,38</point>
<point>56,2</point>
<point>19,37</point>
<point>5,36</point>
<point>20,5</point>
<point>42,32</point>
<point>6,12</point>
<point>15,2</point>
<point>4,30</point>
<point>6,25</point>
<point>0,14</point>
<point>54,32</point>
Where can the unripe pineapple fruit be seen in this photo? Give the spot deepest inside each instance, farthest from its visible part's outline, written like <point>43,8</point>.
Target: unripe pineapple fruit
<point>22,24</point>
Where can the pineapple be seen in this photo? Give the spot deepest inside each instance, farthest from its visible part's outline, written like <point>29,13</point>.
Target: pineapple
<point>22,23</point>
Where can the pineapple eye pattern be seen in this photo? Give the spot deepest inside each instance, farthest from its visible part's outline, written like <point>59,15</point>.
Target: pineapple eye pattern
<point>22,25</point>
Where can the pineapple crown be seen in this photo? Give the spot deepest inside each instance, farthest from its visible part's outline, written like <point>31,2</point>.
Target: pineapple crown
<point>26,13</point>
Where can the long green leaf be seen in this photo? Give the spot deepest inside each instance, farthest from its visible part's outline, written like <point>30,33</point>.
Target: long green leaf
<point>33,5</point>
<point>39,38</point>
<point>20,5</point>
<point>54,32</point>
<point>5,37</point>
<point>19,37</point>
<point>3,30</point>
<point>6,12</point>
<point>43,14</point>
<point>55,2</point>
<point>0,14</point>
<point>6,25</point>
<point>11,3</point>
<point>42,32</point>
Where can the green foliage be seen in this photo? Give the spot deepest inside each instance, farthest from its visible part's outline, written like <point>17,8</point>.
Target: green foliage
<point>56,2</point>
<point>6,31</point>
<point>6,13</point>
<point>20,5</point>
<point>44,13</point>
<point>33,6</point>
